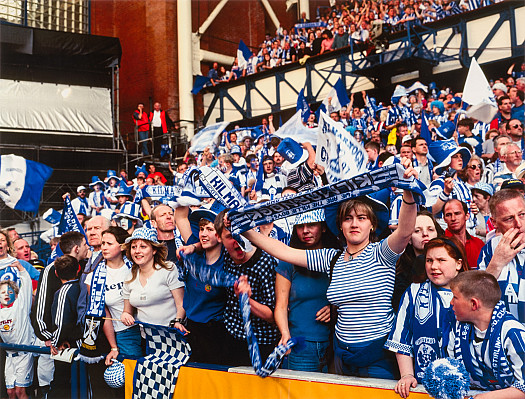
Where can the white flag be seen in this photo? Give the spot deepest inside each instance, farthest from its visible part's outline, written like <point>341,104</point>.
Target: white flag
<point>478,94</point>
<point>338,152</point>
<point>207,137</point>
<point>295,129</point>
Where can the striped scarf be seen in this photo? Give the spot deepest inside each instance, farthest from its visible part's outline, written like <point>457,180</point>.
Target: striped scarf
<point>95,313</point>
<point>200,271</point>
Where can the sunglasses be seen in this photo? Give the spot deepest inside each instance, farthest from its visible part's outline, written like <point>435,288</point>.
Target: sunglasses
<point>474,167</point>
<point>516,126</point>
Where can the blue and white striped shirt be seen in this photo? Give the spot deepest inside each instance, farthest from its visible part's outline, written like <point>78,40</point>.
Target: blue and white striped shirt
<point>513,344</point>
<point>511,279</point>
<point>361,289</point>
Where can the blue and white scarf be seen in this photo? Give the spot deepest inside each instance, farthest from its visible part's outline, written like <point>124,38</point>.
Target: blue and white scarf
<point>498,374</point>
<point>200,271</point>
<point>251,216</point>
<point>431,327</point>
<point>95,312</point>
<point>276,357</point>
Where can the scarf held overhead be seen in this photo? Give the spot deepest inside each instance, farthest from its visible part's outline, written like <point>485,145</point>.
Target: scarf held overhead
<point>251,216</point>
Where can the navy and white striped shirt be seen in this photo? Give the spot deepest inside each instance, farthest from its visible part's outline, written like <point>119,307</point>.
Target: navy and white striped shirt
<point>361,289</point>
<point>513,344</point>
<point>511,279</point>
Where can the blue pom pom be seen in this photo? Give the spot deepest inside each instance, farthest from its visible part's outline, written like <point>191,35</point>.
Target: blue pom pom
<point>446,379</point>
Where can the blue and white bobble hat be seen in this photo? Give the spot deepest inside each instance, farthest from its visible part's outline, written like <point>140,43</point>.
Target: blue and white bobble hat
<point>317,215</point>
<point>292,151</point>
<point>443,151</point>
<point>144,234</point>
<point>129,210</point>
<point>52,216</point>
<point>96,180</point>
<point>236,150</point>
<point>483,187</point>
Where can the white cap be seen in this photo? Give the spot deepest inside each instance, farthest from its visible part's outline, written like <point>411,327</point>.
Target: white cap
<point>79,188</point>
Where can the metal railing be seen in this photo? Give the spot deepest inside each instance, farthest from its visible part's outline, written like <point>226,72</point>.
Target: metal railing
<point>79,378</point>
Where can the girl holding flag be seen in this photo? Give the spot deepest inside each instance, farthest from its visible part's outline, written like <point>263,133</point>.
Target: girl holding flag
<point>362,281</point>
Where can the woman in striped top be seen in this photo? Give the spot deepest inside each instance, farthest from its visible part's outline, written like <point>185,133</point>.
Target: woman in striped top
<point>362,282</point>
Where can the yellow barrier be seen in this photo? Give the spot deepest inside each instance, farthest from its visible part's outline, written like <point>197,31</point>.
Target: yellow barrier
<point>200,383</point>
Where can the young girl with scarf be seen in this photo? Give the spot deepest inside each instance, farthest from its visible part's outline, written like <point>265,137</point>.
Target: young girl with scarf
<point>106,284</point>
<point>425,317</point>
<point>487,339</point>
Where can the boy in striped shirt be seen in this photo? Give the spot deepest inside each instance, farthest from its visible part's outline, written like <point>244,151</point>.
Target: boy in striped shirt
<point>488,339</point>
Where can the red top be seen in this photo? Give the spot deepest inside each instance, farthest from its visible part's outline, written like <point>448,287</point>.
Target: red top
<point>472,248</point>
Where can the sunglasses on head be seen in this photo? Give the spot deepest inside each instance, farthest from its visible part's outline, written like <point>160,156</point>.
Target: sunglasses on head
<point>474,167</point>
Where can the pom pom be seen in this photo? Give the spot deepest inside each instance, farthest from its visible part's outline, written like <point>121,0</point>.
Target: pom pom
<point>446,379</point>
<point>114,375</point>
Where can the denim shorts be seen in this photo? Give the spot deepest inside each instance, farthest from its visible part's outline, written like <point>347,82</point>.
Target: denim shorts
<point>313,357</point>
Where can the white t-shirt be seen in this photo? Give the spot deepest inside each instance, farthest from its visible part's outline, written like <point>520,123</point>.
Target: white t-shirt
<point>114,282</point>
<point>154,302</point>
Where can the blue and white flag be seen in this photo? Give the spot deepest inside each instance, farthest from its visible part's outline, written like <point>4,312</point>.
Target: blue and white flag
<point>156,374</point>
<point>478,94</point>
<point>338,152</point>
<point>243,54</point>
<point>302,105</point>
<point>338,97</point>
<point>207,137</point>
<point>68,222</point>
<point>295,129</point>
<point>22,182</point>
<point>200,82</point>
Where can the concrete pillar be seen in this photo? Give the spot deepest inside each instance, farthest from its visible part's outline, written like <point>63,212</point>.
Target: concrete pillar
<point>304,6</point>
<point>185,58</point>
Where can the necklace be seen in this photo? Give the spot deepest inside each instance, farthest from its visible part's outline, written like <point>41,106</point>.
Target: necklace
<point>351,254</point>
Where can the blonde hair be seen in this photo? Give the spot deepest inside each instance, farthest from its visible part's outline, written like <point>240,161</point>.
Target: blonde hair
<point>159,258</point>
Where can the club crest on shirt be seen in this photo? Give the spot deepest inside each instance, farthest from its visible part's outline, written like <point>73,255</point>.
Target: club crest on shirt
<point>425,355</point>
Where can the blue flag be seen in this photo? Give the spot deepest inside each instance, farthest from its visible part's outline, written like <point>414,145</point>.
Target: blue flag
<point>425,132</point>
<point>200,81</point>
<point>68,222</point>
<point>243,54</point>
<point>22,182</point>
<point>302,105</point>
<point>260,172</point>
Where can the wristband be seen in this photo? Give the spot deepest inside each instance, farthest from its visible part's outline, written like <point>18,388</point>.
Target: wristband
<point>443,197</point>
<point>408,203</point>
<point>114,349</point>
<point>406,375</point>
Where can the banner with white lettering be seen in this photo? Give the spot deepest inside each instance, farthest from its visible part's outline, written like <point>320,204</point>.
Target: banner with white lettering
<point>158,192</point>
<point>220,188</point>
<point>338,152</point>
<point>247,218</point>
